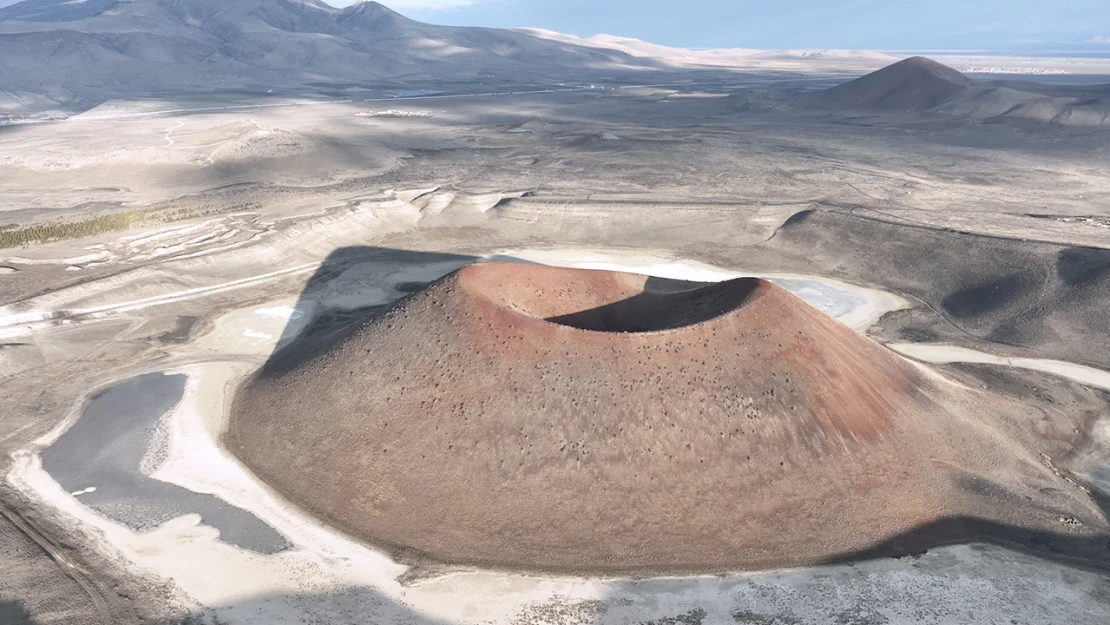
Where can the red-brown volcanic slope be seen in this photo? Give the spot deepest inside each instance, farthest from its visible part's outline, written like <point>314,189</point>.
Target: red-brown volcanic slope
<point>528,416</point>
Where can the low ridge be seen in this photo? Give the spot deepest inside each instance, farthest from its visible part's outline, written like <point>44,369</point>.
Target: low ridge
<point>527,416</point>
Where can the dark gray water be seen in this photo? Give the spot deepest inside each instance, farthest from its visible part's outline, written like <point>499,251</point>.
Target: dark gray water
<point>117,441</point>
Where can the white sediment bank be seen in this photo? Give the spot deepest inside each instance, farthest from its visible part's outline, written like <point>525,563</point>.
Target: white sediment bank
<point>946,354</point>
<point>327,577</point>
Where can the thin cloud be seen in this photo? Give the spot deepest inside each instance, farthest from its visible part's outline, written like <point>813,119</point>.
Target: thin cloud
<point>1099,39</point>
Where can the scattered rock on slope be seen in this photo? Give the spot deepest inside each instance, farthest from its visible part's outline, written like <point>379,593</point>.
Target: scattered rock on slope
<point>528,416</point>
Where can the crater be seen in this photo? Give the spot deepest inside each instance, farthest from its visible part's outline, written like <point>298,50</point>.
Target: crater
<point>531,417</point>
<point>604,301</point>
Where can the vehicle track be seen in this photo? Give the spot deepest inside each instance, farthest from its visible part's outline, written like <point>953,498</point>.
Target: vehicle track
<point>66,564</point>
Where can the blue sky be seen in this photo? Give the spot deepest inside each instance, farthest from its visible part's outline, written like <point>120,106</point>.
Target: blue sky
<point>885,24</point>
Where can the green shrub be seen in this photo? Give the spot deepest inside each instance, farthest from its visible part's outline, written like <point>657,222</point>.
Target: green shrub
<point>13,235</point>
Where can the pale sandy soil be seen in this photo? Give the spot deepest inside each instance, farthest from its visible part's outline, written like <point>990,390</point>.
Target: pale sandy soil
<point>945,354</point>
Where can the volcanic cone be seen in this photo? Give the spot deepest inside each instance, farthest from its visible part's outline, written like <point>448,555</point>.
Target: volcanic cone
<point>529,416</point>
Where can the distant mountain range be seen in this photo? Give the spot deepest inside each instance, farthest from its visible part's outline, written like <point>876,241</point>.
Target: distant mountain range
<point>74,54</point>
<point>69,52</point>
<point>725,57</point>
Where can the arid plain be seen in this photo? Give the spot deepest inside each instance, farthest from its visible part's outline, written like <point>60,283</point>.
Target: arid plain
<point>156,260</point>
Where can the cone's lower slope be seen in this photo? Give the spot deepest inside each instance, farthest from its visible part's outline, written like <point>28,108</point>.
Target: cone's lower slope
<point>558,419</point>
